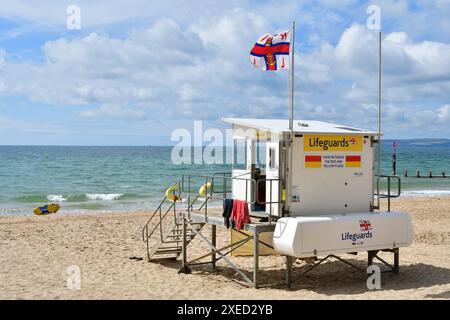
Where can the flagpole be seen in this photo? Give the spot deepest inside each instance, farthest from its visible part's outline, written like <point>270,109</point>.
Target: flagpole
<point>291,124</point>
<point>379,120</point>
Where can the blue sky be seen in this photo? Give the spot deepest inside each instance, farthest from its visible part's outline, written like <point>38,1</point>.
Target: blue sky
<point>137,70</point>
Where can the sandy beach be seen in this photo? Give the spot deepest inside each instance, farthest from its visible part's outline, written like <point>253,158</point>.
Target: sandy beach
<point>36,252</point>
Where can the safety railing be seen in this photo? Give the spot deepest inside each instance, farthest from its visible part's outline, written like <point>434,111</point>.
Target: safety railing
<point>216,188</point>
<point>388,195</point>
<point>270,203</point>
<point>160,214</point>
<point>146,234</point>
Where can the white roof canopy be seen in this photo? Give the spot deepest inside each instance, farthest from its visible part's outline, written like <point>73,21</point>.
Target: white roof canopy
<point>300,126</point>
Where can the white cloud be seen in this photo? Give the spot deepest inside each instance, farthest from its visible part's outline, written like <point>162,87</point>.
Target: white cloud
<point>168,69</point>
<point>444,113</point>
<point>93,13</point>
<point>199,69</point>
<point>405,63</point>
<point>403,59</point>
<point>416,75</point>
<point>114,112</point>
<point>397,37</point>
<point>2,61</point>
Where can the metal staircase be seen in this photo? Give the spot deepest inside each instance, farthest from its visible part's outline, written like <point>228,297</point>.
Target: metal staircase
<point>162,234</point>
<point>171,246</point>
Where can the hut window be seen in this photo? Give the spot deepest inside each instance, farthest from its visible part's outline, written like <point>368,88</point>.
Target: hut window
<point>260,154</point>
<point>272,162</point>
<point>240,154</point>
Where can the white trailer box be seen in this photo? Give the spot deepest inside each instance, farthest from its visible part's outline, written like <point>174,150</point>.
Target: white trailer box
<point>346,233</point>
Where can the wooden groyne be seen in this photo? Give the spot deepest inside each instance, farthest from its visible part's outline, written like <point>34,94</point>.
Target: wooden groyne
<point>429,174</point>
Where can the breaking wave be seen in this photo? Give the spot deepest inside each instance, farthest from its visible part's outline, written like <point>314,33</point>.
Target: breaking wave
<point>425,193</point>
<point>104,196</point>
<point>80,197</point>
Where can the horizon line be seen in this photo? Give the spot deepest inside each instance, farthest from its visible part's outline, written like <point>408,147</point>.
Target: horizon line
<point>165,145</point>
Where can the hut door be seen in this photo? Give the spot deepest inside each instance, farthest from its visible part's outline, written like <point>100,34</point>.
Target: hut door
<point>272,176</point>
<point>242,186</point>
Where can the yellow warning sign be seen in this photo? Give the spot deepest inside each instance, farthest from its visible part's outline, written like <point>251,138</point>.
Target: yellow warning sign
<point>332,143</point>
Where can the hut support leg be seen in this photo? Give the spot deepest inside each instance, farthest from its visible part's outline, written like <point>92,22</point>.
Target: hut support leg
<point>184,267</point>
<point>370,256</point>
<point>213,242</point>
<point>396,260</point>
<point>393,268</point>
<point>255,259</point>
<point>222,256</point>
<point>288,271</point>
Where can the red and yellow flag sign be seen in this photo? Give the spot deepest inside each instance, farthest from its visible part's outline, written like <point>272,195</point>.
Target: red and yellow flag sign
<point>313,161</point>
<point>353,161</point>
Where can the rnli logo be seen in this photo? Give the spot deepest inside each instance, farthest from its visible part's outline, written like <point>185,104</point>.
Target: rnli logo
<point>270,57</point>
<point>365,225</point>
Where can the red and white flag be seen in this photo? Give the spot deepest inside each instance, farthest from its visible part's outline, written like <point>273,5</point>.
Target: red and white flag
<point>272,52</point>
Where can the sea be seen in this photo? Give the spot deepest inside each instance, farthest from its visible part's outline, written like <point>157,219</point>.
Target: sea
<point>107,179</point>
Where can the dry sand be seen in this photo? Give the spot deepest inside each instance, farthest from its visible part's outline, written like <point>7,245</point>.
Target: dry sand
<point>37,250</point>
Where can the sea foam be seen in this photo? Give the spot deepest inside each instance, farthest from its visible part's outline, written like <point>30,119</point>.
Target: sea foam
<point>56,198</point>
<point>425,193</point>
<point>103,196</point>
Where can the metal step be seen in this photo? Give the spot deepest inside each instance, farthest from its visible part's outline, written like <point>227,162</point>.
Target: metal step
<point>192,223</point>
<point>166,248</point>
<point>165,256</point>
<point>180,236</point>
<point>170,246</point>
<point>187,233</point>
<point>172,241</point>
<point>187,230</point>
<point>159,251</point>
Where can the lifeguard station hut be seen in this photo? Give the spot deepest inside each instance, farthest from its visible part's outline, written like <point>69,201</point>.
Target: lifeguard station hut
<point>332,170</point>
<point>333,200</point>
<point>333,208</point>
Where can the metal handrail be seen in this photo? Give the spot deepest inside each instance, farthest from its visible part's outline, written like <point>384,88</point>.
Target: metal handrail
<point>159,224</point>
<point>191,204</point>
<point>211,179</point>
<point>161,218</point>
<point>211,193</point>
<point>222,173</point>
<point>270,181</point>
<point>270,202</point>
<point>388,195</point>
<point>152,216</point>
<point>245,173</point>
<point>145,234</point>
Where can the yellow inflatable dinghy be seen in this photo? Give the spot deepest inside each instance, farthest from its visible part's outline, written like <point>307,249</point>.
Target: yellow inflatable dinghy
<point>47,209</point>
